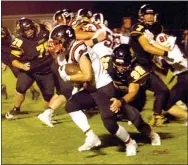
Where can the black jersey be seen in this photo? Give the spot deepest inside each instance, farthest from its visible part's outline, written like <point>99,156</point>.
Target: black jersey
<point>135,74</point>
<point>33,51</point>
<point>143,57</point>
<point>6,40</point>
<point>137,30</point>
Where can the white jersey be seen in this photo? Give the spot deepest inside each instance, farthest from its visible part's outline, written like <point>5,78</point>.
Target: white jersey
<point>105,47</point>
<point>100,76</point>
<point>120,39</point>
<point>180,63</point>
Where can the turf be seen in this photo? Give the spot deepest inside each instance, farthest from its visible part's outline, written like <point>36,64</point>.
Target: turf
<point>27,141</point>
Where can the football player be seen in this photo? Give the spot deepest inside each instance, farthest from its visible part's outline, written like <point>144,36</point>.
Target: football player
<point>63,89</point>
<point>104,48</point>
<point>178,64</point>
<point>29,54</point>
<point>144,52</point>
<point>98,88</point>
<point>130,79</point>
<point>65,17</point>
<point>6,39</point>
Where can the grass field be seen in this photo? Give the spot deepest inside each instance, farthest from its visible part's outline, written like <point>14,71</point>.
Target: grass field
<point>27,141</point>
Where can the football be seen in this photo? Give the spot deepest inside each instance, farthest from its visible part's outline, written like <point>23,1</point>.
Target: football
<point>72,69</point>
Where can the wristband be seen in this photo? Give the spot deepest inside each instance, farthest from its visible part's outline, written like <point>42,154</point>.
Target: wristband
<point>123,102</point>
<point>165,53</point>
<point>95,40</point>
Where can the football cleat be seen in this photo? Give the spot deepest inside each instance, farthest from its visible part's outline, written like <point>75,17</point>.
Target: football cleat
<point>131,148</point>
<point>90,142</point>
<point>155,139</point>
<point>12,114</point>
<point>157,121</point>
<point>129,123</point>
<point>46,119</point>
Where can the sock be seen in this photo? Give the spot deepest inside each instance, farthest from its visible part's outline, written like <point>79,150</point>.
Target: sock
<point>49,111</point>
<point>16,108</point>
<point>122,134</point>
<point>90,132</point>
<point>80,120</point>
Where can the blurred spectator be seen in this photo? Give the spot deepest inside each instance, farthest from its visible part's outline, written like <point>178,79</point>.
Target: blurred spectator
<point>185,41</point>
<point>116,30</point>
<point>126,25</point>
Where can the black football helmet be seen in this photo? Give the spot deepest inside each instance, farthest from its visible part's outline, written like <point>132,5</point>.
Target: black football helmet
<point>122,56</point>
<point>64,17</point>
<point>26,27</point>
<point>4,32</point>
<point>60,39</point>
<point>146,9</point>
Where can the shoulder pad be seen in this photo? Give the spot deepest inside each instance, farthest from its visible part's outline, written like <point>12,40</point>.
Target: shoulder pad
<point>137,29</point>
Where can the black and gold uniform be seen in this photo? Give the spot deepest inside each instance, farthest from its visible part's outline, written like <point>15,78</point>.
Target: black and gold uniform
<point>145,58</point>
<point>6,40</point>
<point>32,48</point>
<point>135,74</point>
<point>127,70</point>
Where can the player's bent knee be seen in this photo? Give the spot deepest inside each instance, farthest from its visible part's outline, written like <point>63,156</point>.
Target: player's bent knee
<point>47,97</point>
<point>70,107</point>
<point>21,90</point>
<point>111,125</point>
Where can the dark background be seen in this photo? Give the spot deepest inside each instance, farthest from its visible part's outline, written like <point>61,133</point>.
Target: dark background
<point>173,15</point>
